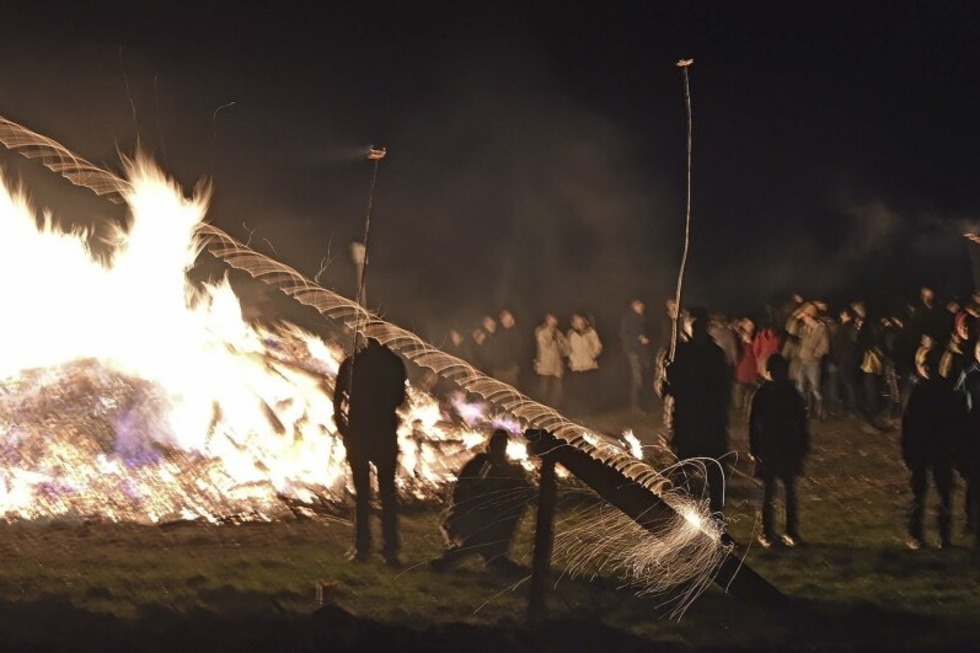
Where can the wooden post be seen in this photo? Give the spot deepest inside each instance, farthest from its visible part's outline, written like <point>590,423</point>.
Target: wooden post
<point>543,541</point>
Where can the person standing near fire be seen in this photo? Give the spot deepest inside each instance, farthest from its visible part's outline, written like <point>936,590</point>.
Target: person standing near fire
<point>633,335</point>
<point>700,381</point>
<point>584,348</point>
<point>509,351</point>
<point>484,344</point>
<point>552,348</point>
<point>370,387</point>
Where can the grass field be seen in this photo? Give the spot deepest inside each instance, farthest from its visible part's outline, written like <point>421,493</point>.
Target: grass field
<point>181,587</point>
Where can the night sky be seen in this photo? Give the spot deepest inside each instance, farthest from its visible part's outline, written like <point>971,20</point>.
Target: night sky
<point>536,150</point>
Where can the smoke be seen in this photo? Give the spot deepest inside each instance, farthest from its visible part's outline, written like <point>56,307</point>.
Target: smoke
<point>873,228</point>
<point>502,192</point>
<point>510,179</point>
<point>869,249</point>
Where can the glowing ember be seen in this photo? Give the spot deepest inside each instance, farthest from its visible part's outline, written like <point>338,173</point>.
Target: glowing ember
<point>633,444</point>
<point>693,518</point>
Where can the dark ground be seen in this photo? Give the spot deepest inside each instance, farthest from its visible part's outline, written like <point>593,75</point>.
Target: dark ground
<point>192,587</point>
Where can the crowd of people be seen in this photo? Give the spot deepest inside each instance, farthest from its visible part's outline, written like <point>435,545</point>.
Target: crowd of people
<point>917,369</point>
<point>563,369</point>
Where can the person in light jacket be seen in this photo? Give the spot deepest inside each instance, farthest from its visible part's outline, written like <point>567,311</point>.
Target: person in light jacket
<point>552,347</point>
<point>584,348</point>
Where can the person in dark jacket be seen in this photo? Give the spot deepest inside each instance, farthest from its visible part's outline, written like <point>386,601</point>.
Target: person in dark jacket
<point>488,501</point>
<point>871,368</point>
<point>843,348</point>
<point>509,351</point>
<point>931,427</point>
<point>700,381</point>
<point>633,335</point>
<point>484,344</point>
<point>370,387</point>
<point>457,345</point>
<point>779,441</point>
<point>969,449</point>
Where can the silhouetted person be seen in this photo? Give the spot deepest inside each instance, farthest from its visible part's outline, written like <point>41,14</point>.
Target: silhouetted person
<point>871,368</point>
<point>845,352</point>
<point>457,345</point>
<point>488,501</point>
<point>484,344</point>
<point>969,450</point>
<point>633,335</point>
<point>779,441</point>
<point>366,418</point>
<point>508,351</point>
<point>700,381</point>
<point>930,430</point>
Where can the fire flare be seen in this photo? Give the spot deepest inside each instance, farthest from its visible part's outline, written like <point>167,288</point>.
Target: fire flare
<point>131,394</point>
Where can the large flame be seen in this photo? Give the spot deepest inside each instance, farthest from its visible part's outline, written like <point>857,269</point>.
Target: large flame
<point>129,393</point>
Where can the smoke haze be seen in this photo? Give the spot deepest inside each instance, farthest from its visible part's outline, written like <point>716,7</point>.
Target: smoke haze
<point>532,161</point>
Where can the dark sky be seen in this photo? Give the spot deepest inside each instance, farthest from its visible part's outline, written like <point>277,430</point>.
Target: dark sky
<point>537,149</point>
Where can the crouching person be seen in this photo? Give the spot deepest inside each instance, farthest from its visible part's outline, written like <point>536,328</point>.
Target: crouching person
<point>488,502</point>
<point>779,441</point>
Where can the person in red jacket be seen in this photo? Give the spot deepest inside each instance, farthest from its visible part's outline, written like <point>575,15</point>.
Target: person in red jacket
<point>767,341</point>
<point>746,367</point>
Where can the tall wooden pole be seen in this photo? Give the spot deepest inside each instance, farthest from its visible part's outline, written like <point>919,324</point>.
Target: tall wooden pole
<point>683,64</point>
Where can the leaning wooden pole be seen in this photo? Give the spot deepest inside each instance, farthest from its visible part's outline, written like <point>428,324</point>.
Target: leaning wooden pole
<point>646,509</point>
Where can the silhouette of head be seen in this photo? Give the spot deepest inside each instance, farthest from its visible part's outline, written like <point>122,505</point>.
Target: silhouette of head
<point>777,367</point>
<point>928,365</point>
<point>699,321</point>
<point>497,445</point>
